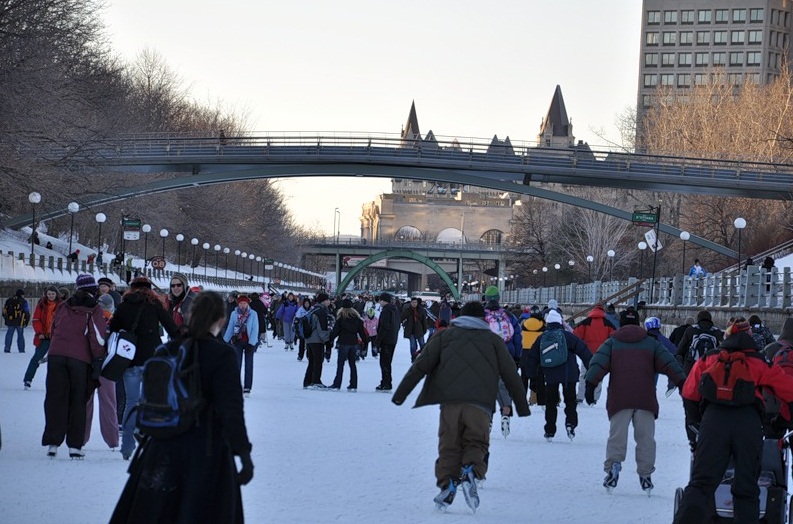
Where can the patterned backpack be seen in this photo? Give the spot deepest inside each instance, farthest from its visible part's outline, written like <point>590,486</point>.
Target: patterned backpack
<point>500,324</point>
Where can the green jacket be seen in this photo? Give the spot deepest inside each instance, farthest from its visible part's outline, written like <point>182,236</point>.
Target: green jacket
<point>463,363</point>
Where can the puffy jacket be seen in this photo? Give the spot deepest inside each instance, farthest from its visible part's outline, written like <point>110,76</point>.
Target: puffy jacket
<point>565,373</point>
<point>595,329</point>
<point>531,329</point>
<point>286,313</point>
<point>321,325</point>
<point>633,358</point>
<point>78,329</point>
<point>463,363</point>
<point>42,318</point>
<point>152,314</point>
<point>388,325</point>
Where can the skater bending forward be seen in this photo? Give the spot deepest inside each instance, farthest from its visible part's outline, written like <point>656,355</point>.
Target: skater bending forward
<point>463,365</point>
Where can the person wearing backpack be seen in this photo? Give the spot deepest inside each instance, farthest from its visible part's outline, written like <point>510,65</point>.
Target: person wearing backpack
<point>632,357</point>
<point>16,314</point>
<point>697,340</point>
<point>593,330</point>
<point>302,311</point>
<point>321,323</point>
<point>729,429</point>
<point>785,340</point>
<point>242,333</point>
<point>555,352</point>
<point>531,330</point>
<point>142,313</point>
<point>196,477</point>
<point>414,320</point>
<point>760,333</point>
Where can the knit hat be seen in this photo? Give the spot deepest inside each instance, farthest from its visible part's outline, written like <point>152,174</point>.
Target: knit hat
<point>106,281</point>
<point>704,315</point>
<point>741,325</point>
<point>322,297</point>
<point>140,282</point>
<point>629,316</point>
<point>84,281</point>
<point>473,309</point>
<point>243,298</point>
<point>181,277</point>
<point>387,297</point>
<point>346,303</point>
<point>20,293</point>
<point>106,301</point>
<point>553,304</point>
<point>492,292</point>
<point>652,323</point>
<point>553,316</point>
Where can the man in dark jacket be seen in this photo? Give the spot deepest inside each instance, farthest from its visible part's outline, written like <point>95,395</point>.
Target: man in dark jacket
<point>321,326</point>
<point>261,313</point>
<point>730,432</point>
<point>677,334</point>
<point>414,318</point>
<point>633,358</point>
<point>564,375</point>
<point>387,335</point>
<point>463,365</point>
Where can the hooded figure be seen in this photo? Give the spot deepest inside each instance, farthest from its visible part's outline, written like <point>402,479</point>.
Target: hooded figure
<point>180,298</point>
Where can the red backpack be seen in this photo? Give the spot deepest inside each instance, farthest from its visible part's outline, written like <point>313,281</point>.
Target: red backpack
<point>728,379</point>
<point>784,357</point>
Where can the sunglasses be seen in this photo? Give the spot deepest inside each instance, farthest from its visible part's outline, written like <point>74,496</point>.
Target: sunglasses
<point>179,284</point>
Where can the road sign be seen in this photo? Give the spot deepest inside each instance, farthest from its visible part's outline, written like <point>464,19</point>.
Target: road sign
<point>650,237</point>
<point>158,262</point>
<point>131,228</point>
<point>268,264</point>
<point>643,218</point>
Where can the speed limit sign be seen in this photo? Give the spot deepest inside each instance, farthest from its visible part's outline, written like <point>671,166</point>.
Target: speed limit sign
<point>158,262</point>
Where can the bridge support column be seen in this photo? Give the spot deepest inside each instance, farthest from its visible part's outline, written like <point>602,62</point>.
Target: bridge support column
<point>338,271</point>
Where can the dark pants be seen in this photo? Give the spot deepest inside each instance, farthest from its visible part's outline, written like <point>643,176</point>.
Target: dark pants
<point>64,403</point>
<point>315,351</point>
<point>20,332</point>
<point>41,350</point>
<point>346,354</point>
<point>245,352</point>
<point>463,438</point>
<point>386,357</point>
<point>552,401</point>
<point>301,348</point>
<point>725,432</point>
<point>121,400</point>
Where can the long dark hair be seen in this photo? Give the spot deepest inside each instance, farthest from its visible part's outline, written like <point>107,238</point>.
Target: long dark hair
<point>207,308</point>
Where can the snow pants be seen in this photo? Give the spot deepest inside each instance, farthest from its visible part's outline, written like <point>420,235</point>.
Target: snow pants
<point>725,432</point>
<point>108,417</point>
<point>64,402</point>
<point>643,433</point>
<point>463,438</point>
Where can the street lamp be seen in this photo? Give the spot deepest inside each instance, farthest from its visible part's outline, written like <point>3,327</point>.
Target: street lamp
<point>73,208</point>
<point>534,272</point>
<point>557,267</point>
<point>205,245</point>
<point>336,220</point>
<point>571,263</point>
<point>146,230</point>
<point>217,254</point>
<point>642,246</point>
<point>226,251</point>
<point>244,256</point>
<point>163,235</point>
<point>179,239</point>
<point>194,242</point>
<point>684,236</point>
<point>589,260</point>
<point>236,261</point>
<point>34,198</point>
<point>611,254</point>
<point>739,224</point>
<point>544,275</point>
<point>100,219</point>
<point>258,266</point>
<point>250,269</point>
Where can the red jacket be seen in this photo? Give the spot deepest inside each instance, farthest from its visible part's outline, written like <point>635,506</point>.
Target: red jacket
<point>763,375</point>
<point>42,319</point>
<point>594,329</point>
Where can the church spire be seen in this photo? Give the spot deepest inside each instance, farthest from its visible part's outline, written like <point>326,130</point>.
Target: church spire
<point>556,129</point>
<point>411,129</point>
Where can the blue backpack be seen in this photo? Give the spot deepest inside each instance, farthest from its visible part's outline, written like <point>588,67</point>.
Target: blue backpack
<point>171,399</point>
<point>553,348</point>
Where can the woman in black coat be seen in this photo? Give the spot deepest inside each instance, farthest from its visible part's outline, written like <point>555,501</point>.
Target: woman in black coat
<point>140,299</point>
<point>192,478</point>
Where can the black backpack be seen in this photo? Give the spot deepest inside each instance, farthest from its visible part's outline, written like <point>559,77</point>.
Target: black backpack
<point>304,326</point>
<point>171,398</point>
<point>702,342</point>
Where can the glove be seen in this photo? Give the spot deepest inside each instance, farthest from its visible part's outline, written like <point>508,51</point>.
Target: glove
<point>327,355</point>
<point>96,368</point>
<point>246,472</point>
<point>589,394</point>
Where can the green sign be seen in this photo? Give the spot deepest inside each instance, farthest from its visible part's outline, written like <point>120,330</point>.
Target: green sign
<point>644,217</point>
<point>131,224</point>
<point>268,264</point>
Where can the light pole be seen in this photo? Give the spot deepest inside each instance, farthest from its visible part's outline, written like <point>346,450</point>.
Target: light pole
<point>557,267</point>
<point>250,269</point>
<point>226,252</point>
<point>146,230</point>
<point>589,260</point>
<point>544,275</point>
<point>739,224</point>
<point>244,256</point>
<point>194,242</point>
<point>217,254</point>
<point>205,245</point>
<point>684,236</point>
<point>34,198</point>
<point>100,219</point>
<point>642,246</point>
<point>179,239</point>
<point>258,266</point>
<point>73,208</point>
<point>336,220</point>
<point>571,263</point>
<point>611,254</point>
<point>236,261</point>
<point>163,235</point>
<point>536,279</point>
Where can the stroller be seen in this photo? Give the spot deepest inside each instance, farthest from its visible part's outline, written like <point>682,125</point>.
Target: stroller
<point>773,483</point>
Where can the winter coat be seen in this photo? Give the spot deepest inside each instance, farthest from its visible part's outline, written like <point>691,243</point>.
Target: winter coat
<point>514,345</point>
<point>464,363</point>
<point>595,329</point>
<point>531,329</point>
<point>152,315</point>
<point>321,325</point>
<point>785,337</point>
<point>199,464</point>
<point>261,314</point>
<point>370,324</point>
<point>251,327</point>
<point>703,326</point>
<point>445,312</point>
<point>286,313</point>
<point>677,334</point>
<point>42,319</point>
<point>657,335</point>
<point>20,320</point>
<point>633,358</point>
<point>762,336</point>
<point>348,331</point>
<point>388,326</point>
<point>565,373</point>
<point>179,307</point>
<point>415,321</point>
<point>78,329</point>
<point>697,271</point>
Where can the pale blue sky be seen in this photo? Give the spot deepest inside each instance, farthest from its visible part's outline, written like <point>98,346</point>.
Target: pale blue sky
<point>474,69</point>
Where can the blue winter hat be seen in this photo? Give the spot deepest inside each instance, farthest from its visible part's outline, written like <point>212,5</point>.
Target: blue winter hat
<point>85,281</point>
<point>652,323</point>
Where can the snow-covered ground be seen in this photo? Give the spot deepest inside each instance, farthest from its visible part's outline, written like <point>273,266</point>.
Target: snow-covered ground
<point>323,456</point>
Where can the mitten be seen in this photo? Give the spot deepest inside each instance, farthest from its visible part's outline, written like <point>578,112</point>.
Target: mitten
<point>327,355</point>
<point>246,471</point>
<point>96,368</point>
<point>589,394</point>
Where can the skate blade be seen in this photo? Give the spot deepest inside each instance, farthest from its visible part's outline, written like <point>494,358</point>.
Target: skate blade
<point>609,490</point>
<point>441,508</point>
<point>649,492</point>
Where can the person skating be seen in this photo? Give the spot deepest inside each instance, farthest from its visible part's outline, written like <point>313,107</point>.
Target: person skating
<point>593,330</point>
<point>242,333</point>
<point>16,313</point>
<point>348,329</point>
<point>321,326</point>
<point>42,327</point>
<point>387,335</point>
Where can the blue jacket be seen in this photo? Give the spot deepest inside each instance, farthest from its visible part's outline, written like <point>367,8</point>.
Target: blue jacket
<point>251,326</point>
<point>565,373</point>
<point>657,335</point>
<point>286,313</point>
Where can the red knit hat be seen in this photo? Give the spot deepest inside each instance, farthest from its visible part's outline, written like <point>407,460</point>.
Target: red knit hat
<point>243,298</point>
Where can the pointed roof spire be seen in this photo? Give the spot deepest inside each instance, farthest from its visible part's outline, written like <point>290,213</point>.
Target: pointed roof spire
<point>411,129</point>
<point>556,117</point>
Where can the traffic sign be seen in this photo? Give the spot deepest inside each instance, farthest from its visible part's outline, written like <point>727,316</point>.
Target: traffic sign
<point>643,218</point>
<point>131,228</point>
<point>652,241</point>
<point>158,262</point>
<point>268,264</point>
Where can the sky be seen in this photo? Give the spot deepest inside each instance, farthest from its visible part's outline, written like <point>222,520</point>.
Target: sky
<point>474,69</point>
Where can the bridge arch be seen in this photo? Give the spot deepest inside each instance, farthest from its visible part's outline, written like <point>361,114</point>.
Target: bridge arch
<point>399,253</point>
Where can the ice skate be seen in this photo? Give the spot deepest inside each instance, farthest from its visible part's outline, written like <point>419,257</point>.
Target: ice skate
<point>610,482</point>
<point>76,454</point>
<point>52,451</point>
<point>570,432</point>
<point>445,498</point>
<point>469,487</point>
<point>505,425</point>
<point>647,484</point>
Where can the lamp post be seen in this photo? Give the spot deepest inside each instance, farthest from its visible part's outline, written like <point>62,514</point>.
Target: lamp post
<point>73,208</point>
<point>205,245</point>
<point>217,254</point>
<point>571,263</point>
<point>336,223</point>
<point>258,266</point>
<point>611,254</point>
<point>544,275</point>
<point>226,252</point>
<point>146,230</point>
<point>557,267</point>
<point>642,246</point>
<point>739,224</point>
<point>589,260</point>
<point>684,236</point>
<point>179,239</point>
<point>536,279</point>
<point>250,269</point>
<point>244,256</point>
<point>236,261</point>
<point>194,242</point>
<point>34,198</point>
<point>163,235</point>
<point>100,219</point>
